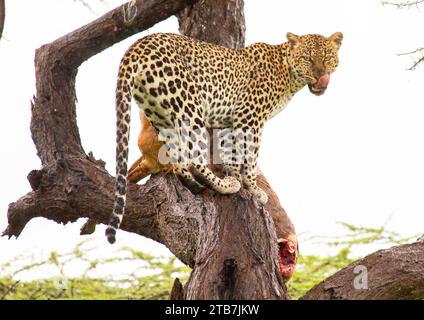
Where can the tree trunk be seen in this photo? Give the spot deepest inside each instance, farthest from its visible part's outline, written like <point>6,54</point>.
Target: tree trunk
<point>216,21</point>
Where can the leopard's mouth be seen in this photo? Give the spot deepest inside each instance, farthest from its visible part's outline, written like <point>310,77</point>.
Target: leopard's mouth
<point>316,90</point>
<point>320,85</point>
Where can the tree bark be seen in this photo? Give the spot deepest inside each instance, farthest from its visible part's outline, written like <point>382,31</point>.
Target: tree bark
<point>395,273</point>
<point>216,21</point>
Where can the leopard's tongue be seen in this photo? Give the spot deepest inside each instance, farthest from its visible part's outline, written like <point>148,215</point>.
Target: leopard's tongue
<point>323,81</point>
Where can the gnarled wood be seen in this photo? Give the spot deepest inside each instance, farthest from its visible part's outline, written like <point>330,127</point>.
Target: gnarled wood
<point>395,273</point>
<point>215,21</point>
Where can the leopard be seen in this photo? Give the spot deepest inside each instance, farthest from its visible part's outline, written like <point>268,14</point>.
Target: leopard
<point>185,87</point>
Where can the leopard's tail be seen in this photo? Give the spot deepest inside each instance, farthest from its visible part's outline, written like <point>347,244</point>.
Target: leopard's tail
<point>123,116</point>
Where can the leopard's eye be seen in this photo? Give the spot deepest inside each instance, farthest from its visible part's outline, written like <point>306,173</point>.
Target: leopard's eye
<point>306,58</point>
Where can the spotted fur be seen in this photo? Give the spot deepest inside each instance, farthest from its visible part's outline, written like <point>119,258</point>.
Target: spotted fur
<point>185,86</point>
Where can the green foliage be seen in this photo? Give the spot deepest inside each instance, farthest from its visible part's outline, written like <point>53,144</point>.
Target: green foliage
<point>152,277</point>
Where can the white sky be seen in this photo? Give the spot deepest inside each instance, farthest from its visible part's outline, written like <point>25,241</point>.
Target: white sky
<point>354,155</point>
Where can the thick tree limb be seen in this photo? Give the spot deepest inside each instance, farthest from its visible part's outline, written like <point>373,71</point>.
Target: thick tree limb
<point>81,189</point>
<point>395,273</point>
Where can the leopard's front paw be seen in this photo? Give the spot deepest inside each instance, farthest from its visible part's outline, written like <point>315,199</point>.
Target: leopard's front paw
<point>260,195</point>
<point>232,185</point>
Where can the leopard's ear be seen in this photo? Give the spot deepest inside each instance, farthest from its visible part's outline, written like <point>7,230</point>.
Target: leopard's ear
<point>336,38</point>
<point>293,39</point>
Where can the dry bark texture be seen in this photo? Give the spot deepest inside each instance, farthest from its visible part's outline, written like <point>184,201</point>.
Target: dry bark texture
<point>215,21</point>
<point>395,273</point>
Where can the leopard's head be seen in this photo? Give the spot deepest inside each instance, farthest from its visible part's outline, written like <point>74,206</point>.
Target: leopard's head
<point>313,58</point>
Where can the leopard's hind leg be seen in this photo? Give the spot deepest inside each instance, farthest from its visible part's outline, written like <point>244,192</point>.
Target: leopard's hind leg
<point>199,154</point>
<point>177,159</point>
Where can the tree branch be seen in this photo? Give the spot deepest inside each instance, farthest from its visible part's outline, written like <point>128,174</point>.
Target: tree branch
<point>395,273</point>
<point>411,52</point>
<point>81,189</point>
<point>408,4</point>
<point>404,4</point>
<point>416,61</point>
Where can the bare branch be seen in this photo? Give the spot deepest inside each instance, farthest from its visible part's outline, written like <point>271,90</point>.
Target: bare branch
<point>416,61</point>
<point>412,52</point>
<point>408,4</point>
<point>404,4</point>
